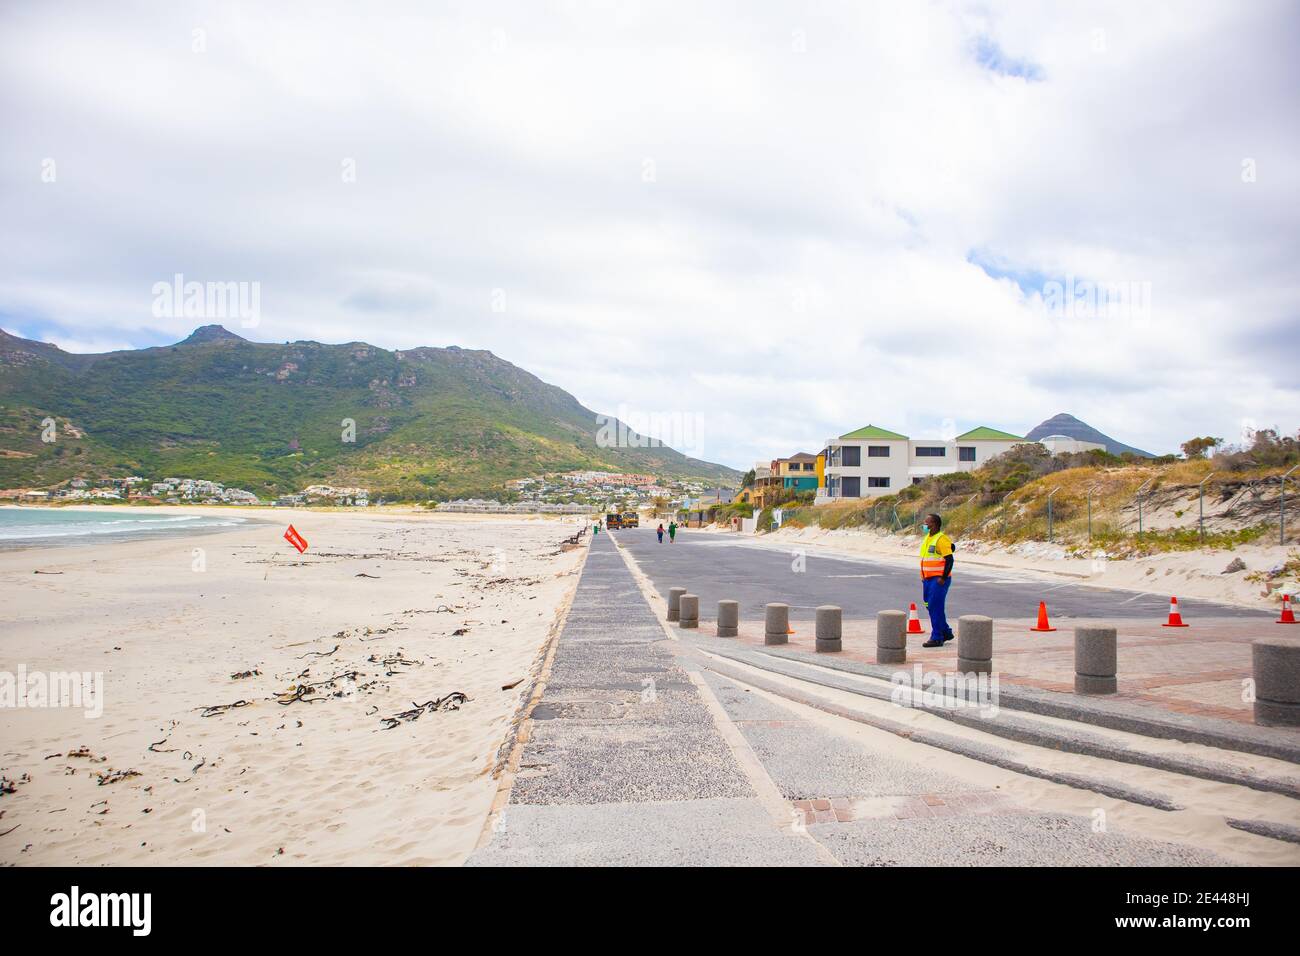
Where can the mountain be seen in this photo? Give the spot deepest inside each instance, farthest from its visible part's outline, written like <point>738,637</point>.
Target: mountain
<point>1071,427</point>
<point>211,333</point>
<point>429,422</point>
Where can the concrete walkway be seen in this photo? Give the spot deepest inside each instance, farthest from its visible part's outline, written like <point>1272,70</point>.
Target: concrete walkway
<point>637,755</point>
<point>625,763</point>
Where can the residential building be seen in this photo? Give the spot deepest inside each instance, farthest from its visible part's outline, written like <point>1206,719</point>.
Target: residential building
<point>1061,444</point>
<point>798,472</point>
<point>754,494</point>
<point>776,480</point>
<point>873,461</point>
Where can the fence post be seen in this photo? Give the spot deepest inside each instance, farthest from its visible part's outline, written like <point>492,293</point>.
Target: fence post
<point>1138,497</point>
<point>1049,512</point>
<point>1201,491</point>
<point>1091,488</point>
<point>1281,508</point>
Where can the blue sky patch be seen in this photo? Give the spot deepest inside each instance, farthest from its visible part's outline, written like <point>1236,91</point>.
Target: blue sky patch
<point>1029,280</point>
<point>996,60</point>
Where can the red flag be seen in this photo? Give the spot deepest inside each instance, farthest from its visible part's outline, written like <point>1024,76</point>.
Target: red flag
<point>295,539</point>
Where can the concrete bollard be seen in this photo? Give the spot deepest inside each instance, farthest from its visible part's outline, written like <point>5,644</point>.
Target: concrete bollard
<point>728,618</point>
<point>974,644</point>
<point>891,637</point>
<point>674,603</point>
<point>1095,660</point>
<point>1276,665</point>
<point>776,624</point>
<point>830,620</point>
<point>690,611</point>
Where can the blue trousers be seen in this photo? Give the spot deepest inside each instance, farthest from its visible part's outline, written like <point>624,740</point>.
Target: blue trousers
<point>935,592</point>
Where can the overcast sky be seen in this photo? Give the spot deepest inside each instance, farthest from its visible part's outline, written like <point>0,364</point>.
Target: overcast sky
<point>772,222</point>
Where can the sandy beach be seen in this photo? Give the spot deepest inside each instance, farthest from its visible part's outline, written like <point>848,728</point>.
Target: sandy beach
<point>253,699</point>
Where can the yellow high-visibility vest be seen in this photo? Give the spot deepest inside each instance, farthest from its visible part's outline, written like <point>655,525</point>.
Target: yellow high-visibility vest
<point>934,548</point>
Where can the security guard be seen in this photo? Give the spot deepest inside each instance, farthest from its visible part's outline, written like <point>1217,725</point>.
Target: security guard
<point>936,576</point>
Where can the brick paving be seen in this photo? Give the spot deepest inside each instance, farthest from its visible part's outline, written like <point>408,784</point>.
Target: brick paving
<point>1198,670</point>
<point>851,809</point>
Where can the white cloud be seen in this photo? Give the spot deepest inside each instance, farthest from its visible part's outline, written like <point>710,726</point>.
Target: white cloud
<point>757,214</point>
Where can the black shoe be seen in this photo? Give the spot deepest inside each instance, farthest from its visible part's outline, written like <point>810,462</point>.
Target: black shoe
<point>933,643</point>
<point>950,636</point>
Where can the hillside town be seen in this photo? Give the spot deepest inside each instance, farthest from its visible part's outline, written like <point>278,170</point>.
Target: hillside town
<point>179,491</point>
<point>579,492</point>
<point>582,492</point>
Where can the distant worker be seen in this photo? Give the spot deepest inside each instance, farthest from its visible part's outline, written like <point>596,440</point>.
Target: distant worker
<point>595,529</point>
<point>672,531</point>
<point>936,576</point>
<point>660,531</point>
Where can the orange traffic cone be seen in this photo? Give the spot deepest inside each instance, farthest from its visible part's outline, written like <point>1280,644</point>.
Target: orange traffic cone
<point>1288,615</point>
<point>1043,624</point>
<point>913,622</point>
<point>1175,619</point>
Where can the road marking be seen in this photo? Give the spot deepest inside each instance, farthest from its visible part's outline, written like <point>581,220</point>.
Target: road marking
<point>769,795</point>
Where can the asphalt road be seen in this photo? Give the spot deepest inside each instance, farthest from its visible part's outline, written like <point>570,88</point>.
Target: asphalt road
<point>718,566</point>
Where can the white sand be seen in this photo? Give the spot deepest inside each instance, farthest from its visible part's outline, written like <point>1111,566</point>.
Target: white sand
<point>309,782</point>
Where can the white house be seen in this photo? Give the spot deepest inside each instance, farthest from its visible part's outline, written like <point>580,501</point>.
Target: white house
<point>1061,444</point>
<point>873,461</point>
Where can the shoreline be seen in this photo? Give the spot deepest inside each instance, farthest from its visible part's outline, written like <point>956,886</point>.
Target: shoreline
<point>245,515</point>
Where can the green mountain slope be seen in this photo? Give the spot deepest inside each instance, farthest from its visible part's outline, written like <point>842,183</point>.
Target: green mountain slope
<point>430,422</point>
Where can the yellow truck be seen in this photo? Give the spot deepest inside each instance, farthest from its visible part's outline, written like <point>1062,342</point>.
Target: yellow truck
<point>613,520</point>
<point>631,519</point>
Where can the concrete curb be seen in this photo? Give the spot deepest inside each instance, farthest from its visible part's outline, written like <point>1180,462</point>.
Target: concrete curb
<point>1267,828</point>
<point>1021,731</point>
<point>506,763</point>
<point>1279,744</point>
<point>954,745</point>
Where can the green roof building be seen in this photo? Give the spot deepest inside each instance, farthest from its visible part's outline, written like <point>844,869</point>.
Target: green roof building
<point>871,461</point>
<point>984,433</point>
<point>871,431</point>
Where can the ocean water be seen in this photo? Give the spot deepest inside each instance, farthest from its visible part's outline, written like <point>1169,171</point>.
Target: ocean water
<point>28,526</point>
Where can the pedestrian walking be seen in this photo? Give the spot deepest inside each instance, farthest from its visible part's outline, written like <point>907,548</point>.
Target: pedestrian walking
<point>672,531</point>
<point>660,531</point>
